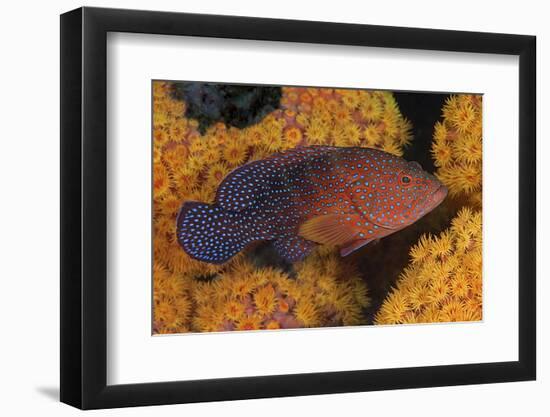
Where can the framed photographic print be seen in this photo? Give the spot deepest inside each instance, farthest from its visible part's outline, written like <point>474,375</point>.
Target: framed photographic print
<point>258,208</point>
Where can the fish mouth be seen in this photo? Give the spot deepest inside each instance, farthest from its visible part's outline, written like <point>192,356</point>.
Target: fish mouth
<point>437,197</point>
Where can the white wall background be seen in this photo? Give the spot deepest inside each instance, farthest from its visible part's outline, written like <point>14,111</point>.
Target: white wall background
<point>29,225</point>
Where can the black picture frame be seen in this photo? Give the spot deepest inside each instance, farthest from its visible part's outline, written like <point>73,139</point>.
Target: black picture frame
<point>84,207</point>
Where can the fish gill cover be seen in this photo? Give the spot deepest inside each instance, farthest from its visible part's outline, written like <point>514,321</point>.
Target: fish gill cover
<point>257,289</point>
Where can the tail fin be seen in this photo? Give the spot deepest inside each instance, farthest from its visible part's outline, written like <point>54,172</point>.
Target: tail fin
<point>208,233</point>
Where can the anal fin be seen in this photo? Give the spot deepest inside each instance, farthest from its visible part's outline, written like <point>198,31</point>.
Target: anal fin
<point>293,248</point>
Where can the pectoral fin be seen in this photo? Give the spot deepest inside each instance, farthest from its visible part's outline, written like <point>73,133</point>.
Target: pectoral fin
<point>330,229</point>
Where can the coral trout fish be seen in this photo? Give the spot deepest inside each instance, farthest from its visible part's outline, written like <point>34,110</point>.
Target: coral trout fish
<point>346,197</point>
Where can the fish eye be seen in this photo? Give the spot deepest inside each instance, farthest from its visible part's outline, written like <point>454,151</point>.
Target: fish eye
<point>406,179</point>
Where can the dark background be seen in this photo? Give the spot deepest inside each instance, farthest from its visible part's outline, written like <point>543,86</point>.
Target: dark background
<point>423,110</point>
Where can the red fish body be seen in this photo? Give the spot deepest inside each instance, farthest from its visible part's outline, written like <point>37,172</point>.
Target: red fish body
<point>307,196</point>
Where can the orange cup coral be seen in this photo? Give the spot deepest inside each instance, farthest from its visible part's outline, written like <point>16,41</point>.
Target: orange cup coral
<point>443,280</point>
<point>457,147</point>
<point>243,296</point>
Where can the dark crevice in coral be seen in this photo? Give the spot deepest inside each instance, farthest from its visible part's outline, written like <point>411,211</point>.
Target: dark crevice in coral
<point>423,110</point>
<point>235,105</point>
<point>264,255</point>
<point>206,277</point>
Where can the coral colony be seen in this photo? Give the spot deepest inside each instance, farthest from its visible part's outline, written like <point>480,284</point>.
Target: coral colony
<point>202,133</point>
<point>457,147</point>
<point>443,281</point>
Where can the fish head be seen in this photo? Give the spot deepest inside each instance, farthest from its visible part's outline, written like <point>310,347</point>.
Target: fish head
<point>405,194</point>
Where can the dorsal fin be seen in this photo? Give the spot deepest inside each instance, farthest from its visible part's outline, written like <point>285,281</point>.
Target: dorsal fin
<point>330,229</point>
<point>253,181</point>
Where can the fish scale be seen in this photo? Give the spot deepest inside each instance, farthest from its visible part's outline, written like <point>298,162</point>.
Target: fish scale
<point>306,196</point>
